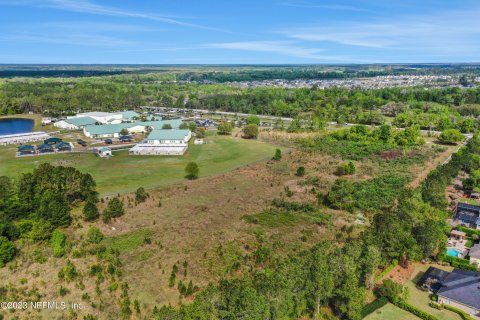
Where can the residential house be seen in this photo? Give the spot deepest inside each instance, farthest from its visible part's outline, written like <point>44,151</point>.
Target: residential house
<point>468,215</point>
<point>459,288</point>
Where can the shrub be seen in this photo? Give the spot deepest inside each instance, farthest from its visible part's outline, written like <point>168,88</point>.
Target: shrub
<point>63,291</point>
<point>90,211</point>
<point>346,169</point>
<point>250,131</point>
<point>278,155</point>
<point>58,243</point>
<point>224,128</point>
<point>192,170</point>
<point>300,171</point>
<point>140,195</point>
<point>450,136</point>
<point>391,289</point>
<point>7,251</point>
<point>94,235</point>
<point>114,209</point>
<point>253,120</point>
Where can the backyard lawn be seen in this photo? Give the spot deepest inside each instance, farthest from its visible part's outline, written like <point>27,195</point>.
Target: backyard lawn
<point>391,312</point>
<point>124,173</point>
<point>421,299</point>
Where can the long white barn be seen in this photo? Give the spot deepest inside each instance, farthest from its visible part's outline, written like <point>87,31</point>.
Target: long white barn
<point>82,120</point>
<point>163,142</point>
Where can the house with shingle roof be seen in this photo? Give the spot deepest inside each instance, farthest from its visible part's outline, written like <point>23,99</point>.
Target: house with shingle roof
<point>461,289</point>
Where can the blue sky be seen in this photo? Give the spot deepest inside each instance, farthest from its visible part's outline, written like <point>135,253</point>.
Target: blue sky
<point>246,32</point>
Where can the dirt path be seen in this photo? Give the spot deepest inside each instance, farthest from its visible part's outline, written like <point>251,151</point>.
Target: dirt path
<point>431,164</point>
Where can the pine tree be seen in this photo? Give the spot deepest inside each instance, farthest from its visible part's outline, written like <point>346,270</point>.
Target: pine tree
<point>90,211</point>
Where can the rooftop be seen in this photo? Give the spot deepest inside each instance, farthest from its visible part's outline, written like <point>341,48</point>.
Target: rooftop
<point>458,233</point>
<point>168,134</point>
<point>129,114</point>
<point>116,128</point>
<point>462,286</point>
<point>95,114</point>
<point>81,121</point>
<point>475,251</point>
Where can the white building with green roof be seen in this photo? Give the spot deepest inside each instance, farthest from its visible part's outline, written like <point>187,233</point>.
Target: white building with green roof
<point>113,130</point>
<point>75,123</point>
<point>163,142</point>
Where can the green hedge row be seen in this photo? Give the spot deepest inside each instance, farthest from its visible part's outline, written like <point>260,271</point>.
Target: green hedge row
<point>382,274</point>
<point>470,232</point>
<point>462,313</point>
<point>436,305</point>
<point>459,263</point>
<point>375,305</point>
<point>413,310</point>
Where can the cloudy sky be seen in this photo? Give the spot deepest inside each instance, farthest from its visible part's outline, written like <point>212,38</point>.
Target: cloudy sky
<point>245,32</point>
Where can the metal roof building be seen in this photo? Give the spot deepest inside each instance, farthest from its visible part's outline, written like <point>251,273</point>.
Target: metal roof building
<point>168,135</point>
<point>163,142</point>
<point>113,130</point>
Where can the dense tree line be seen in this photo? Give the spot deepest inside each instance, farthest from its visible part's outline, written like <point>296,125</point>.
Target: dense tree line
<point>37,203</point>
<point>67,96</point>
<point>466,159</point>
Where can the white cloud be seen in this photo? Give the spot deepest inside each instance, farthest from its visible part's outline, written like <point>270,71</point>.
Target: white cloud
<point>334,7</point>
<point>86,6</point>
<point>286,48</point>
<point>442,33</point>
<point>68,39</point>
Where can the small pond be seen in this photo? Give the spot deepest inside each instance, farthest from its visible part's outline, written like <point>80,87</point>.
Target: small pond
<point>15,125</point>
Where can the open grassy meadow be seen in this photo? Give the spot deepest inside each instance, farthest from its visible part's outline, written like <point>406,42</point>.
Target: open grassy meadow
<point>124,173</point>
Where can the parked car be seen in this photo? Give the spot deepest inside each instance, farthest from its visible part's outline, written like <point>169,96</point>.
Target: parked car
<point>108,141</point>
<point>81,142</point>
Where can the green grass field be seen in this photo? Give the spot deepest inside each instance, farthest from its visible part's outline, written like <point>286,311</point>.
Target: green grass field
<point>391,312</point>
<point>125,173</point>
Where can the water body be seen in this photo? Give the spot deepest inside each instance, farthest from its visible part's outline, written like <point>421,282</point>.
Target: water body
<point>15,125</point>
